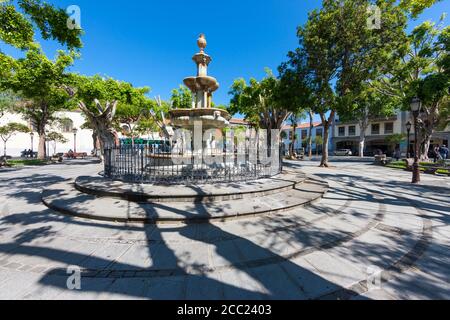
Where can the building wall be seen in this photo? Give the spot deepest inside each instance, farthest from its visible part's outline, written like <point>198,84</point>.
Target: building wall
<point>399,127</point>
<point>22,141</point>
<point>299,141</point>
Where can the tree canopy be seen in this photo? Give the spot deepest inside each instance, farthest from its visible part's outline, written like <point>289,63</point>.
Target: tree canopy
<point>181,98</point>
<point>338,54</point>
<point>20,20</point>
<point>38,81</point>
<point>259,101</point>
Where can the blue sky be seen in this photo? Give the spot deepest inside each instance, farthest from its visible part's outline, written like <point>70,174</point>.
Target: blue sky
<point>150,43</point>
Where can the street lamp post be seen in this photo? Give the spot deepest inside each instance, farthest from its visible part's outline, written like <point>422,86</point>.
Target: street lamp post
<point>408,130</point>
<point>75,130</point>
<point>47,148</point>
<point>32,144</point>
<point>415,108</point>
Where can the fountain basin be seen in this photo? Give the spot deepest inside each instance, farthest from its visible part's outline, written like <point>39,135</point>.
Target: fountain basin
<point>210,118</point>
<point>205,83</point>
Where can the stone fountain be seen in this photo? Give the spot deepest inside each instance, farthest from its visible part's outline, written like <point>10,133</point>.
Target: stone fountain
<point>201,183</point>
<point>202,87</point>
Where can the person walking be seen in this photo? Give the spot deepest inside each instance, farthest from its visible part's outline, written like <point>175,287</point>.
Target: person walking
<point>397,154</point>
<point>436,153</point>
<point>444,152</point>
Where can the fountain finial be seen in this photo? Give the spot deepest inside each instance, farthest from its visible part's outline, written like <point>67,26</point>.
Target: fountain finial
<point>201,42</point>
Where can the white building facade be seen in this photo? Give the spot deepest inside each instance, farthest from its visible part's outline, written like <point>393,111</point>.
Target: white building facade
<point>347,135</point>
<point>301,137</point>
<point>25,141</point>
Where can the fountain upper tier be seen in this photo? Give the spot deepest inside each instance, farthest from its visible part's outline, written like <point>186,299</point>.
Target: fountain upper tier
<point>202,87</point>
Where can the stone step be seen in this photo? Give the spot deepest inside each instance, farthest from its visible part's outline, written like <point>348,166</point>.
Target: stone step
<point>135,192</point>
<point>65,198</point>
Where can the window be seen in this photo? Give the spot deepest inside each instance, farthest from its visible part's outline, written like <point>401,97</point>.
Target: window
<point>376,128</point>
<point>319,132</point>
<point>389,128</point>
<point>341,131</point>
<point>352,131</point>
<point>304,134</point>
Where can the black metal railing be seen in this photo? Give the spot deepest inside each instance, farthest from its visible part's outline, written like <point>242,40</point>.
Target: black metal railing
<point>150,164</point>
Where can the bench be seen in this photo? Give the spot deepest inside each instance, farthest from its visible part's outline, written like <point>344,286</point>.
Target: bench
<point>381,159</point>
<point>76,155</point>
<point>409,163</point>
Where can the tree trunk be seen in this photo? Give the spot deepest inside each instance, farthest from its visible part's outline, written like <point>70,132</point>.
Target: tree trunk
<point>426,147</point>
<point>326,129</point>
<point>293,142</point>
<point>324,161</point>
<point>4,149</point>
<point>102,123</point>
<point>311,127</point>
<point>363,125</point>
<point>42,152</point>
<point>426,139</point>
<point>362,141</point>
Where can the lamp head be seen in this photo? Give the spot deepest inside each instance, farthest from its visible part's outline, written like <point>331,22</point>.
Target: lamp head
<point>408,126</point>
<point>416,105</point>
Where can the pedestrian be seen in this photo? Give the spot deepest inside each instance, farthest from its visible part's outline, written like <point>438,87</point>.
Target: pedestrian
<point>397,154</point>
<point>436,153</point>
<point>444,152</point>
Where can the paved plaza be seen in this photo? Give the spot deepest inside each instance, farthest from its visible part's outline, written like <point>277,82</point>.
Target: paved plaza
<point>372,236</point>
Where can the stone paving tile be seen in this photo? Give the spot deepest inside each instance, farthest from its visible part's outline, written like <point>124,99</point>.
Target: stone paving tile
<point>137,257</point>
<point>126,289</point>
<point>336,271</point>
<point>203,287</point>
<point>91,289</point>
<point>280,284</point>
<point>417,286</point>
<point>344,212</point>
<point>242,285</point>
<point>375,294</point>
<point>173,288</point>
<point>104,255</point>
<point>312,284</point>
<point>16,284</point>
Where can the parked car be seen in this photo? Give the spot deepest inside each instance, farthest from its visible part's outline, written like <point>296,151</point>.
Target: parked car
<point>343,152</point>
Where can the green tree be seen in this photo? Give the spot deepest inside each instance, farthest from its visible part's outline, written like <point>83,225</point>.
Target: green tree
<point>395,139</point>
<point>181,98</point>
<point>55,138</point>
<point>295,118</point>
<point>369,104</point>
<point>296,93</point>
<point>260,103</point>
<point>38,80</point>
<point>7,101</point>
<point>20,20</point>
<point>106,102</point>
<point>342,53</point>
<point>416,7</point>
<point>422,71</point>
<point>9,130</point>
<point>319,142</point>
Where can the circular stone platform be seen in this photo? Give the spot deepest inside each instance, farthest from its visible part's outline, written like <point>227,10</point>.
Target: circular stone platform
<point>102,199</point>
